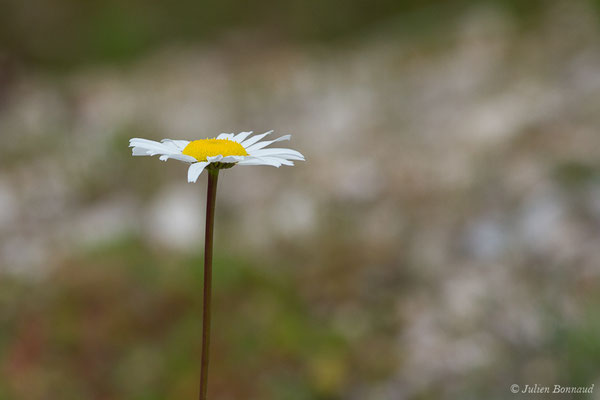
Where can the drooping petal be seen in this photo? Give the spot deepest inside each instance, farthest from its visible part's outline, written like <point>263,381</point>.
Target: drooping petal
<point>232,159</point>
<point>214,158</point>
<point>179,157</point>
<point>195,170</point>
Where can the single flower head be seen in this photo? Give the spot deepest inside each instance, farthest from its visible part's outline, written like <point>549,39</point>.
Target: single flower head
<point>224,151</point>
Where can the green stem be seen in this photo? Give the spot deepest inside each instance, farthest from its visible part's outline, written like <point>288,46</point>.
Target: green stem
<point>211,194</point>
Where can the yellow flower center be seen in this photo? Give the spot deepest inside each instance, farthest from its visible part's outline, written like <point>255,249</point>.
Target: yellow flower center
<point>203,148</point>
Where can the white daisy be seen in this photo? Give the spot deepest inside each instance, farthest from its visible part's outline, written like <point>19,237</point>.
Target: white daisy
<point>224,151</point>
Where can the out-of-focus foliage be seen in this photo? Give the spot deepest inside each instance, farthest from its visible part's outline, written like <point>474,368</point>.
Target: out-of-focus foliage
<point>123,321</point>
<point>67,32</point>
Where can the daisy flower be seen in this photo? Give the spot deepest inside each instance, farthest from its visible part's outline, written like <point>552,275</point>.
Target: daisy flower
<point>223,151</point>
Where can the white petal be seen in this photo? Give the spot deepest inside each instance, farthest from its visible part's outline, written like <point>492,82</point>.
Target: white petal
<point>287,157</point>
<point>154,147</point>
<point>195,170</point>
<point>276,152</point>
<point>260,145</point>
<point>141,142</point>
<point>232,159</point>
<point>179,157</point>
<point>171,146</point>
<point>251,161</point>
<point>225,136</point>
<point>214,159</point>
<point>276,162</point>
<point>140,151</point>
<point>179,144</point>
<point>254,139</point>
<point>144,143</point>
<point>241,136</point>
<point>281,161</point>
<point>261,161</point>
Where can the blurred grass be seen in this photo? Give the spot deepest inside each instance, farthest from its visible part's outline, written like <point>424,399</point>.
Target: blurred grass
<point>123,321</point>
<point>577,343</point>
<point>63,33</point>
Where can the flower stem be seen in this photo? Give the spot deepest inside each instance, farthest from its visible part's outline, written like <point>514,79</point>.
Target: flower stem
<point>211,194</point>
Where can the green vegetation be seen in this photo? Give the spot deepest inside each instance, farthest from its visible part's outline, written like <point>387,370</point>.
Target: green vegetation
<point>65,33</point>
<point>123,321</point>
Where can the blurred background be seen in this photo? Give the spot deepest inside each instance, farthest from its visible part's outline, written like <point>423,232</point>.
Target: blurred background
<point>440,241</point>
